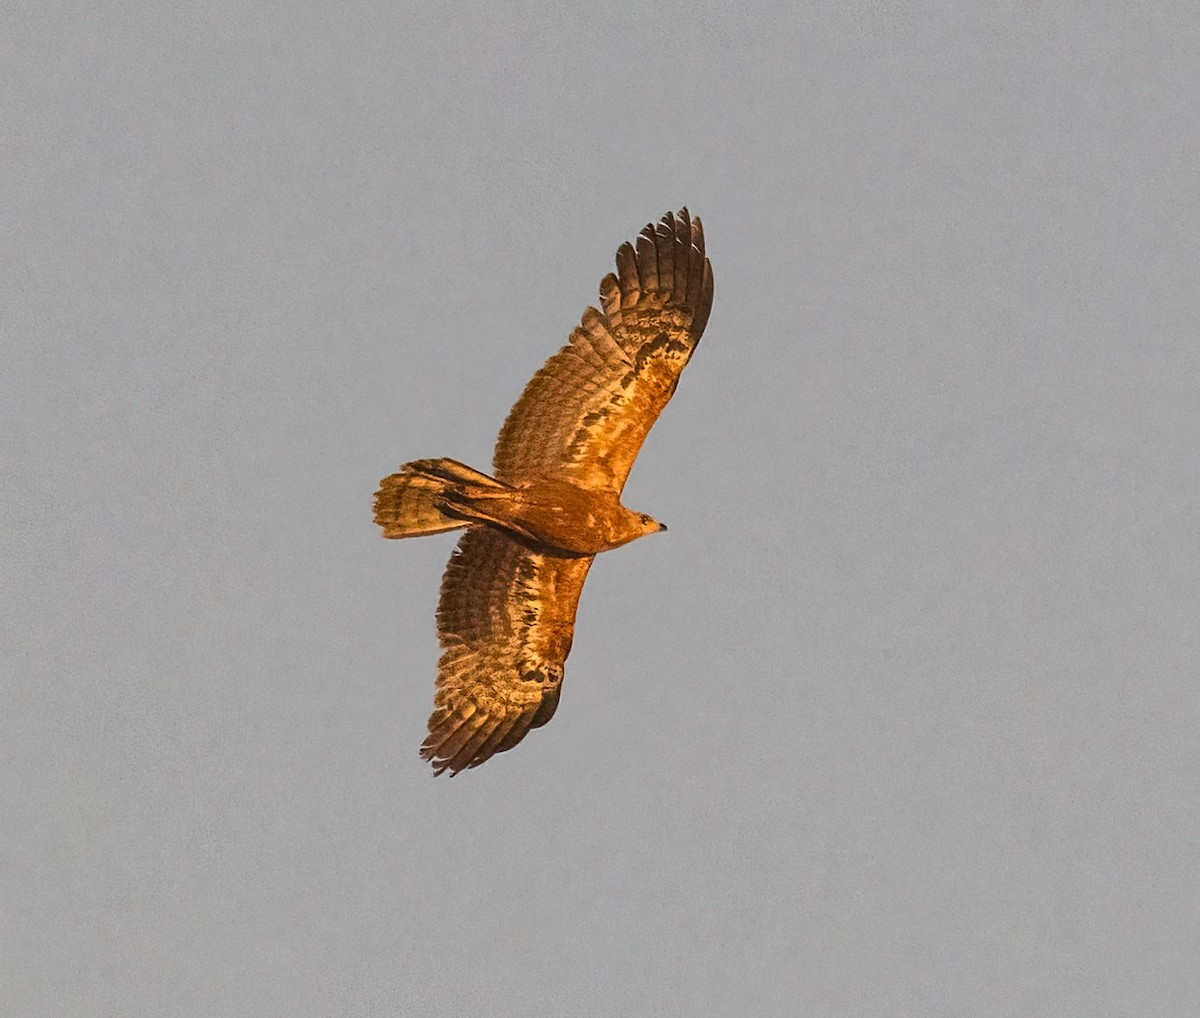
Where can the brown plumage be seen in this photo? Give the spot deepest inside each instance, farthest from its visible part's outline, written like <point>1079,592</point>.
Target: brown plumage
<point>507,611</point>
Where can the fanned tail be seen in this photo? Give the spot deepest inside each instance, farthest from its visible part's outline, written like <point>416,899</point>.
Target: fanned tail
<point>430,496</point>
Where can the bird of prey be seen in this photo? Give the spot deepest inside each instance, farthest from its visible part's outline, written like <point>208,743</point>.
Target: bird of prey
<point>506,615</point>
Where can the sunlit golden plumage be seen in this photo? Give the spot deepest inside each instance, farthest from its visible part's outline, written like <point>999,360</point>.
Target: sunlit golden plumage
<point>506,616</point>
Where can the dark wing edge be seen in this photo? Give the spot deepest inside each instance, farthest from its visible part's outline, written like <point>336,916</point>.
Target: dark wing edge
<point>505,619</point>
<point>584,415</point>
<point>665,271</point>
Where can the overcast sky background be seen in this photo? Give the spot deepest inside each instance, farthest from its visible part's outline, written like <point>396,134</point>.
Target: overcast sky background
<point>901,717</point>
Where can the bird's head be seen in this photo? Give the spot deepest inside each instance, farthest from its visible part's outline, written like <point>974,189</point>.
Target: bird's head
<point>650,525</point>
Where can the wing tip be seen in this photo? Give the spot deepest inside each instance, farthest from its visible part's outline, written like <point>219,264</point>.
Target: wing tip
<point>464,736</point>
<point>667,255</point>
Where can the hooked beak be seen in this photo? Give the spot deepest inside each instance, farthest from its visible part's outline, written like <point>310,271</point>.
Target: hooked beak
<point>662,526</point>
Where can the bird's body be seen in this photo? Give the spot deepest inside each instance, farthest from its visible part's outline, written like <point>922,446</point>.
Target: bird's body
<point>555,514</point>
<point>506,616</point>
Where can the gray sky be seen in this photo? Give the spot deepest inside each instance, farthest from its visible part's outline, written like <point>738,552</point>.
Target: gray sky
<point>901,717</point>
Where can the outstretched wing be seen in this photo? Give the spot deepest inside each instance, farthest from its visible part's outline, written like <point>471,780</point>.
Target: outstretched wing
<point>585,414</point>
<point>505,619</point>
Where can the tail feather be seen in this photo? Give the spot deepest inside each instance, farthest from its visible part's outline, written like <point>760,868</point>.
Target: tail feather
<point>416,500</point>
<point>453,472</point>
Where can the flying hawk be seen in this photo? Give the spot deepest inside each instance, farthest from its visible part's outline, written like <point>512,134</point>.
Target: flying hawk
<point>507,610</point>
